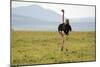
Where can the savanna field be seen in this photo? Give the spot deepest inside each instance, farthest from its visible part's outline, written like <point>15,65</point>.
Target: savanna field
<point>45,47</point>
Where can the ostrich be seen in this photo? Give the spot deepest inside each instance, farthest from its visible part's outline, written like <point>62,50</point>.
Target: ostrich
<point>64,29</point>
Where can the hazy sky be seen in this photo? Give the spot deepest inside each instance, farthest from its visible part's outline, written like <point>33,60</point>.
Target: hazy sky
<point>71,11</point>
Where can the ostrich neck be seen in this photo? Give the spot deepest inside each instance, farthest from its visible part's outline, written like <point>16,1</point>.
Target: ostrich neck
<point>63,17</point>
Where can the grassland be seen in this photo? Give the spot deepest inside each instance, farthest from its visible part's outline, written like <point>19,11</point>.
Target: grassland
<point>44,47</point>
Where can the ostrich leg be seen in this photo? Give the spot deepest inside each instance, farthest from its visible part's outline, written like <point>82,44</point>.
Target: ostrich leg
<point>62,43</point>
<point>62,37</point>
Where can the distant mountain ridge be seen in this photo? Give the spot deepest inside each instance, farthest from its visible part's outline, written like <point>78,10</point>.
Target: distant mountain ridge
<point>36,11</point>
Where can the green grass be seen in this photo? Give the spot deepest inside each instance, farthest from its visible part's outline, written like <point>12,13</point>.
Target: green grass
<point>44,47</point>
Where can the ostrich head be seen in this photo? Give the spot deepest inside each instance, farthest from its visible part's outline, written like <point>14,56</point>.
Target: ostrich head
<point>67,21</point>
<point>62,10</point>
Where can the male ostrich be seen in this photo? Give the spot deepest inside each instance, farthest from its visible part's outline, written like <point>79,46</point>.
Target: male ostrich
<point>64,29</point>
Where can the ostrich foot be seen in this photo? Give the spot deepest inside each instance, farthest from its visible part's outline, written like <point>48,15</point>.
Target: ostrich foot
<point>66,49</point>
<point>62,49</point>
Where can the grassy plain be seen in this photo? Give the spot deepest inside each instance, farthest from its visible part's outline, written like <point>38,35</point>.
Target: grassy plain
<point>44,47</point>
